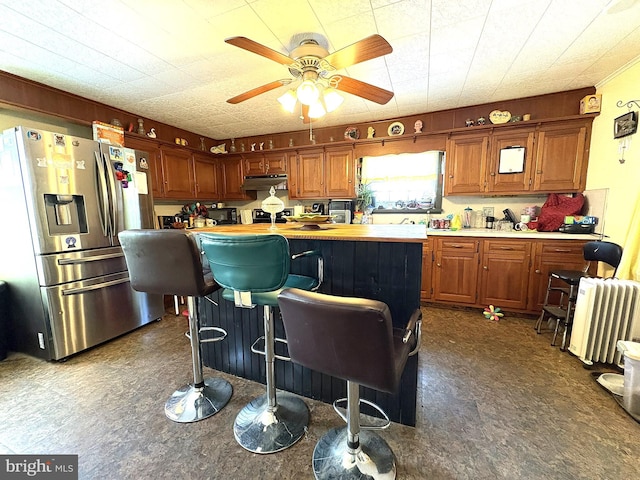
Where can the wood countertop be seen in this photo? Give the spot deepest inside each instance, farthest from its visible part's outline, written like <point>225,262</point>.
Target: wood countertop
<point>329,231</point>
<point>382,233</point>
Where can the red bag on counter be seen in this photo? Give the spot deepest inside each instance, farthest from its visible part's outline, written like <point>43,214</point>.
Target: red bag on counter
<point>556,208</point>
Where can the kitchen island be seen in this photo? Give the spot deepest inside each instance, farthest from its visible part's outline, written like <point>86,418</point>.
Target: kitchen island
<point>381,262</point>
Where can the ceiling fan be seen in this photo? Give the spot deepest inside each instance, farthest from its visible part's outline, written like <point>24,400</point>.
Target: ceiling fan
<point>315,66</point>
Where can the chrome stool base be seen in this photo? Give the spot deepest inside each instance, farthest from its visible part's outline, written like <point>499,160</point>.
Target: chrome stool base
<point>259,429</point>
<point>374,458</point>
<point>190,403</point>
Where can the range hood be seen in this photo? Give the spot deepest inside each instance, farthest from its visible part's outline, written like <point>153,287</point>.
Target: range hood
<point>265,182</point>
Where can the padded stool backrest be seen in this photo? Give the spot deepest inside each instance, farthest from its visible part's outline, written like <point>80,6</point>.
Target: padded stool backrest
<point>167,262</point>
<point>248,263</point>
<point>599,251</point>
<point>348,338</point>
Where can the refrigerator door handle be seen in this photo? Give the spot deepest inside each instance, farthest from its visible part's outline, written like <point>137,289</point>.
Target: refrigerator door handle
<point>78,291</point>
<point>113,218</point>
<point>103,198</point>
<point>76,261</point>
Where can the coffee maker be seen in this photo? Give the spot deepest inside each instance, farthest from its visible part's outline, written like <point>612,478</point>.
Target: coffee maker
<point>341,210</point>
<point>317,208</point>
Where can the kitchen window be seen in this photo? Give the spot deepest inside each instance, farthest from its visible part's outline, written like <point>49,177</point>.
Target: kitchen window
<point>407,181</point>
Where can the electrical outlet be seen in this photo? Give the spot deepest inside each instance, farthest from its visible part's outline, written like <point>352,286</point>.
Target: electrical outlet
<point>487,211</point>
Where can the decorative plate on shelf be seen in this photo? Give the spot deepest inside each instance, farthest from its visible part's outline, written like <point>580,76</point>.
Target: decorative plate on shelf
<point>497,116</point>
<point>396,128</point>
<point>352,133</point>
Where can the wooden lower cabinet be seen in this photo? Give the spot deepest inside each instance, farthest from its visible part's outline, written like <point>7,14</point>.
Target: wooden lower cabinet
<point>504,273</point>
<point>509,273</point>
<point>427,262</point>
<point>455,270</point>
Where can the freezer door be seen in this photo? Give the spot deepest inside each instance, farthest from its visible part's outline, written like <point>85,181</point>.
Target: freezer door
<point>130,188</point>
<point>60,184</point>
<point>59,268</point>
<point>85,314</point>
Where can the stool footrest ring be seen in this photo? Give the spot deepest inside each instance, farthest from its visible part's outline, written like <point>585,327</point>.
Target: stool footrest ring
<point>254,349</point>
<point>364,425</point>
<point>222,331</point>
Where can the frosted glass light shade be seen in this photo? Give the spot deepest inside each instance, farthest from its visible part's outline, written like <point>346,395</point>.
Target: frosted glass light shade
<point>316,110</point>
<point>308,92</point>
<point>332,99</point>
<point>288,101</point>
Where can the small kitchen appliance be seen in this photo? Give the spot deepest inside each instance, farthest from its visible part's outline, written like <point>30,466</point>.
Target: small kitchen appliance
<point>260,216</point>
<point>223,216</point>
<point>341,210</point>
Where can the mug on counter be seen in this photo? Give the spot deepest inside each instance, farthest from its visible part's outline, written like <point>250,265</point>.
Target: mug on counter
<point>210,222</point>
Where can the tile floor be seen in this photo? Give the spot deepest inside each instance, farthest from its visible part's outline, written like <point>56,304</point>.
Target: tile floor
<point>495,401</point>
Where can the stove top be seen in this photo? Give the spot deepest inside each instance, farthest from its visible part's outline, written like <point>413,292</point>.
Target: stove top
<point>260,216</point>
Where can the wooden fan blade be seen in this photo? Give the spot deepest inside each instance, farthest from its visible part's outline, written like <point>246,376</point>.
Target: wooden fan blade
<point>255,47</point>
<point>364,90</point>
<point>257,91</point>
<point>305,114</point>
<point>366,49</point>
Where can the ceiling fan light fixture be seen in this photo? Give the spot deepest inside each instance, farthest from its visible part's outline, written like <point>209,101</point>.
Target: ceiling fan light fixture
<point>332,99</point>
<point>308,92</point>
<point>316,110</point>
<point>288,100</point>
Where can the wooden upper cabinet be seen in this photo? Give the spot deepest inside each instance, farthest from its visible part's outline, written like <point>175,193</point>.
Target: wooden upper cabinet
<point>154,160</point>
<point>207,181</point>
<point>465,164</point>
<point>265,163</point>
<point>306,178</point>
<point>177,168</point>
<point>561,157</point>
<point>231,177</point>
<point>339,173</point>
<point>510,181</point>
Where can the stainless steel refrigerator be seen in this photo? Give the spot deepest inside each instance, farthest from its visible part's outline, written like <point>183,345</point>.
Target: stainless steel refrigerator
<point>63,200</point>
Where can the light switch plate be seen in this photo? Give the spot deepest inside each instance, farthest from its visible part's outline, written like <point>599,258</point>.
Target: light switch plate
<point>487,211</point>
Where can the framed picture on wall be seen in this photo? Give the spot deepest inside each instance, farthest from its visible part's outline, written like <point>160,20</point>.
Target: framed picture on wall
<point>626,124</point>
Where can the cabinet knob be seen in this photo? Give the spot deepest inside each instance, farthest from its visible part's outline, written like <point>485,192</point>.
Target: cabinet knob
<point>539,172</point>
<point>485,267</point>
<point>493,174</point>
<point>537,271</point>
<point>450,176</point>
<point>438,265</point>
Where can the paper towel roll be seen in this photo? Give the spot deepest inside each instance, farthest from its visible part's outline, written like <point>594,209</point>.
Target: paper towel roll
<point>246,217</point>
<point>298,210</point>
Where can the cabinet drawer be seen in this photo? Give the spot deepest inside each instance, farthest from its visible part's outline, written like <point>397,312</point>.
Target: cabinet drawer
<point>562,248</point>
<point>502,246</point>
<point>458,245</point>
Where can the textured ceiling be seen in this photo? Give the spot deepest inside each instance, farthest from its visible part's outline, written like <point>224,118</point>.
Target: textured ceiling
<point>167,59</point>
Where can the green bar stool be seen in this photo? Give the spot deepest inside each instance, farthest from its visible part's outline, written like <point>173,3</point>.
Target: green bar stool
<point>253,269</point>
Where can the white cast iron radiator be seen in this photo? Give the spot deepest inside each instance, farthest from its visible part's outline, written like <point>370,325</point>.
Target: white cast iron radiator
<point>607,310</point>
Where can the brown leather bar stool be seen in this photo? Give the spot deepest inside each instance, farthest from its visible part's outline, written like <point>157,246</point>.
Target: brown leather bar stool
<point>352,339</point>
<point>168,262</point>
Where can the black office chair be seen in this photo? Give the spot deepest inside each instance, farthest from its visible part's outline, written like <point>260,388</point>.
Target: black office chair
<point>597,251</point>
<point>352,339</point>
<point>253,269</point>
<point>169,262</point>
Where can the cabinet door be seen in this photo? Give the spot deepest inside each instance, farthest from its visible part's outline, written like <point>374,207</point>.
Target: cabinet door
<point>177,167</point>
<point>309,176</point>
<point>339,173</point>
<point>455,272</point>
<point>254,165</point>
<point>154,160</point>
<point>510,182</point>
<point>561,164</point>
<point>505,273</point>
<point>206,177</point>
<point>548,256</point>
<point>427,261</point>
<point>465,167</point>
<point>275,163</point>
<point>232,177</point>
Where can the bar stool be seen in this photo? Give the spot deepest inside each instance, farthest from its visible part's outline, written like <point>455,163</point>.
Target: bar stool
<point>168,262</point>
<point>567,281</point>
<point>352,339</point>
<point>253,269</point>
